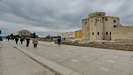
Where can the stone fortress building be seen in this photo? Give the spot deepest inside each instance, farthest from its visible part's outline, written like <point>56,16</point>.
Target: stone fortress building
<point>101,31</point>
<point>98,26</point>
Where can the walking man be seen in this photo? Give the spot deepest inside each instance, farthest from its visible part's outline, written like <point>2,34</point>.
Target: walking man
<point>16,39</point>
<point>21,40</point>
<point>27,41</point>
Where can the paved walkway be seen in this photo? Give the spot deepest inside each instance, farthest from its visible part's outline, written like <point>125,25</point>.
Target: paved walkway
<point>85,60</point>
<point>14,62</point>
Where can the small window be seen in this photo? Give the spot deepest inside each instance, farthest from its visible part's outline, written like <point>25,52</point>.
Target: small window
<point>106,33</point>
<point>92,33</point>
<point>85,22</point>
<point>97,33</point>
<point>114,21</point>
<point>99,15</point>
<point>115,26</point>
<point>110,33</point>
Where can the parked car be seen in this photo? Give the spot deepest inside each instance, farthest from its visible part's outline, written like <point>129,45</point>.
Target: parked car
<point>1,39</point>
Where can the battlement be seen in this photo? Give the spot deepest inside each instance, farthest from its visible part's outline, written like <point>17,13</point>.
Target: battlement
<point>97,14</point>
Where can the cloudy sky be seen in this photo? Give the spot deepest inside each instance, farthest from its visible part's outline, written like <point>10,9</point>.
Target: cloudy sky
<point>56,16</point>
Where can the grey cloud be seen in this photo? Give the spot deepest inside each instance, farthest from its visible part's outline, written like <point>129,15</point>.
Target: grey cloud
<point>54,16</point>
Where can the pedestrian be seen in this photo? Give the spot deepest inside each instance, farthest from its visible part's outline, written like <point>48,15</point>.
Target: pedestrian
<point>16,39</point>
<point>8,38</point>
<point>21,40</point>
<point>27,41</point>
<point>59,41</point>
<point>35,42</point>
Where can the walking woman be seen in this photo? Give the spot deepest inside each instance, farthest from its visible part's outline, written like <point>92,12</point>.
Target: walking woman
<point>35,42</point>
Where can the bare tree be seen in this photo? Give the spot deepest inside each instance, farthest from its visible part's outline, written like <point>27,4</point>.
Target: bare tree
<point>24,33</point>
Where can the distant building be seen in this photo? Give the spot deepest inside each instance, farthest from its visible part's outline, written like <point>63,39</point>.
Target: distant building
<point>51,38</point>
<point>68,35</point>
<point>78,34</point>
<point>98,26</point>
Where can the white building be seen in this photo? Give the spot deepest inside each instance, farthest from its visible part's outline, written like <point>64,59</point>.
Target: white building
<point>68,35</point>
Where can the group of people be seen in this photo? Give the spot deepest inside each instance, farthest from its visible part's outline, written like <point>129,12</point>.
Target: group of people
<point>34,41</point>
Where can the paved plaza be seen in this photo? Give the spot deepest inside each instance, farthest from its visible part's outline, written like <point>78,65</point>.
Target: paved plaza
<point>14,62</point>
<point>65,59</point>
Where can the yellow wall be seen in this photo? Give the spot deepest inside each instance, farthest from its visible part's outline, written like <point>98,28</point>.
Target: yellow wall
<point>78,34</point>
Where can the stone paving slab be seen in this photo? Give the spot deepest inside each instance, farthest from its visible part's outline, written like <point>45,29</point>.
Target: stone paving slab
<point>86,60</point>
<point>15,62</point>
<point>56,68</point>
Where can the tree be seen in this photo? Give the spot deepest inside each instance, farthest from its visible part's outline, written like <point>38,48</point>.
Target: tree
<point>24,33</point>
<point>48,37</point>
<point>33,35</point>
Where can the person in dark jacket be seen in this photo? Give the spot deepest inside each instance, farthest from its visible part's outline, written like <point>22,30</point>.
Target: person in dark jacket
<point>21,40</point>
<point>8,38</point>
<point>59,41</point>
<point>27,41</point>
<point>16,39</point>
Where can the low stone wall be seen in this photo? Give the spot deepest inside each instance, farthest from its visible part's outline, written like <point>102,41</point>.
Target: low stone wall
<point>124,40</point>
<point>123,33</point>
<point>117,46</point>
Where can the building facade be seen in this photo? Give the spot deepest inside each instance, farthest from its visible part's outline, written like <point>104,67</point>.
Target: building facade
<point>98,26</point>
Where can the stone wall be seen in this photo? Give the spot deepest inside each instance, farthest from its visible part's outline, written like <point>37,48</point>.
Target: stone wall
<point>117,46</point>
<point>85,29</point>
<point>122,34</point>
